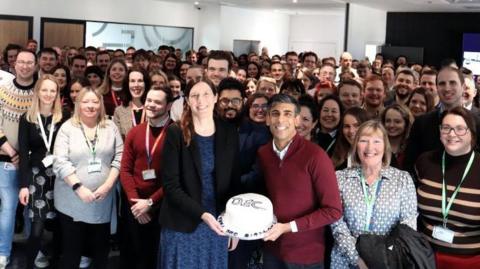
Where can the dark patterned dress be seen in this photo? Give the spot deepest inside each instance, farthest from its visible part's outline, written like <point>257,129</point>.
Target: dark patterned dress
<point>203,248</point>
<point>33,174</point>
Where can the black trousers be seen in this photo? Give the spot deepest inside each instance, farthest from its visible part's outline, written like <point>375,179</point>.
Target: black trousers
<point>139,242</point>
<point>76,236</point>
<point>35,242</point>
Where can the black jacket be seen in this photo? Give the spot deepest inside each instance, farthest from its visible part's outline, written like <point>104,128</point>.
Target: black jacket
<point>404,248</point>
<point>182,207</point>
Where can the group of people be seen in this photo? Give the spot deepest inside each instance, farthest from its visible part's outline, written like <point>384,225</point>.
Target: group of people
<point>150,146</point>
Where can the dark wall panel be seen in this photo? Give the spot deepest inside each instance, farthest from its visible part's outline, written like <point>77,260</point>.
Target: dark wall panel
<point>440,34</point>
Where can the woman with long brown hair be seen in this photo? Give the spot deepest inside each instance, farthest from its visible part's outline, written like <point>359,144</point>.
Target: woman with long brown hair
<point>200,173</point>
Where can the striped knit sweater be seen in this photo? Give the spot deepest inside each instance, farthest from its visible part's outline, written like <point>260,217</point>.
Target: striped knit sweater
<point>14,101</point>
<point>464,215</point>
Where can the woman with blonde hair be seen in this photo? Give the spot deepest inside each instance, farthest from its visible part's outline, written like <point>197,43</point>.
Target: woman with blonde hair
<point>376,197</point>
<point>37,131</point>
<point>114,85</point>
<point>88,151</point>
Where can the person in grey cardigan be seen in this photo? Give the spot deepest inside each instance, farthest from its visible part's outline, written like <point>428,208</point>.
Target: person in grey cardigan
<point>88,150</point>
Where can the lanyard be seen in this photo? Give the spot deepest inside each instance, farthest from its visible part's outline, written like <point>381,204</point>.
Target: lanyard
<point>446,207</point>
<point>134,121</point>
<point>91,144</point>
<point>369,198</point>
<point>114,97</point>
<point>155,144</point>
<point>331,144</point>
<point>48,143</point>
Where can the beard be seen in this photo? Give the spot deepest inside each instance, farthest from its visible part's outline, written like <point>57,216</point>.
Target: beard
<point>402,92</point>
<point>231,115</point>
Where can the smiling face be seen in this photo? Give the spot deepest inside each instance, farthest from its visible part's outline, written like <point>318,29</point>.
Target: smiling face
<point>329,116</point>
<point>418,104</point>
<point>201,100</point>
<point>89,106</point>
<point>282,121</point>
<point>350,128</point>
<point>251,88</point>
<point>176,87</point>
<point>25,66</point>
<point>350,96</point>
<point>370,148</point>
<point>230,104</point>
<point>450,88</point>
<point>394,123</point>
<point>306,124</point>
<point>47,93</point>
<point>117,73</point>
<point>457,141</point>
<point>136,84</point>
<point>61,77</point>
<point>258,110</point>
<point>374,93</point>
<point>156,104</point>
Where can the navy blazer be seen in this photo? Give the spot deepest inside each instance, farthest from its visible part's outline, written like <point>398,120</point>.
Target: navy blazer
<point>181,166</point>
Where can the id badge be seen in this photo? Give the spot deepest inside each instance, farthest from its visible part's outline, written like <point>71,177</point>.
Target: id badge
<point>148,174</point>
<point>48,160</point>
<point>94,166</point>
<point>443,234</point>
<point>9,167</point>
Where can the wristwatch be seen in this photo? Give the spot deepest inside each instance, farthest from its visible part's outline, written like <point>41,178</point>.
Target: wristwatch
<point>76,186</point>
<point>150,202</point>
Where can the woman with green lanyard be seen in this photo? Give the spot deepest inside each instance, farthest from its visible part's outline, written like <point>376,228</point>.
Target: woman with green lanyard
<point>331,111</point>
<point>449,193</point>
<point>88,150</point>
<point>376,197</point>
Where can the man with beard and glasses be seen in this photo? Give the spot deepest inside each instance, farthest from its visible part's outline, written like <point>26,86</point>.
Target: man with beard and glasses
<point>230,100</point>
<point>140,177</point>
<point>404,85</point>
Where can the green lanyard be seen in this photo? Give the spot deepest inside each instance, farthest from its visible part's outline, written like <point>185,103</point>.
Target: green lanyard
<point>331,144</point>
<point>446,207</point>
<point>92,145</point>
<point>369,198</point>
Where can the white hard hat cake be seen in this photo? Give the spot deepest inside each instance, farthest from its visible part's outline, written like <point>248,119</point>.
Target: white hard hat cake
<point>247,216</point>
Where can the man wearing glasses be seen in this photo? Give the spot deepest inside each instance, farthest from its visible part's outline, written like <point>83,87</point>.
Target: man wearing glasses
<point>230,100</point>
<point>15,98</point>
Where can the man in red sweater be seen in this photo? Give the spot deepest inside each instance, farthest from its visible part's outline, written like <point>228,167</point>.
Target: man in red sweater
<point>301,183</point>
<point>141,182</point>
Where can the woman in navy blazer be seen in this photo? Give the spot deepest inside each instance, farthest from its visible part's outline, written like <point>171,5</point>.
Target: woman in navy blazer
<point>200,172</point>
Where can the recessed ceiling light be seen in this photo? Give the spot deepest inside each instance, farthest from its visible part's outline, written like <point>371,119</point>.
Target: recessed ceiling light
<point>196,3</point>
<point>294,1</point>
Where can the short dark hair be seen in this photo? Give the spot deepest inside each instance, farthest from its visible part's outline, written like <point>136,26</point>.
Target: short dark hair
<point>350,82</point>
<point>467,117</point>
<point>428,72</point>
<point>405,71</point>
<point>230,83</point>
<point>11,47</point>
<point>283,99</point>
<point>163,47</point>
<point>454,70</point>
<point>221,55</point>
<point>293,84</point>
<point>28,51</point>
<point>310,53</point>
<point>91,48</point>
<point>308,102</point>
<point>94,69</point>
<point>290,53</point>
<point>141,53</point>
<point>102,53</point>
<point>48,51</point>
<point>79,57</point>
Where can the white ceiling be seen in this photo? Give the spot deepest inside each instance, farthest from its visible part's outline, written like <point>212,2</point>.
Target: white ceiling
<point>388,5</point>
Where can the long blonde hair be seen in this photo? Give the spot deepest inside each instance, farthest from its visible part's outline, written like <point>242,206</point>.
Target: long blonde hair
<point>76,113</point>
<point>31,115</point>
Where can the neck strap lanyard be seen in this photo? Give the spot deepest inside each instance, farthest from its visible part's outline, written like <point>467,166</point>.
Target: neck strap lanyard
<point>114,97</point>
<point>92,145</point>
<point>155,144</point>
<point>369,198</point>
<point>446,207</point>
<point>331,144</point>
<point>48,143</point>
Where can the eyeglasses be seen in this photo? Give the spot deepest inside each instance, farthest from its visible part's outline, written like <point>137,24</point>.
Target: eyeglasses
<point>458,130</point>
<point>258,106</point>
<point>234,101</point>
<point>29,63</point>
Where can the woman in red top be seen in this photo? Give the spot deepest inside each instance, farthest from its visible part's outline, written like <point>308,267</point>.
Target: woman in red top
<point>114,86</point>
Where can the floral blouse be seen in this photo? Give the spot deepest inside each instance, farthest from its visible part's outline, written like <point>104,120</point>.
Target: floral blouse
<point>395,203</point>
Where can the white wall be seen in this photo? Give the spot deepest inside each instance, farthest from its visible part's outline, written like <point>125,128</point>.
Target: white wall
<point>129,11</point>
<point>366,26</point>
<point>322,33</point>
<point>269,27</point>
<point>208,33</point>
